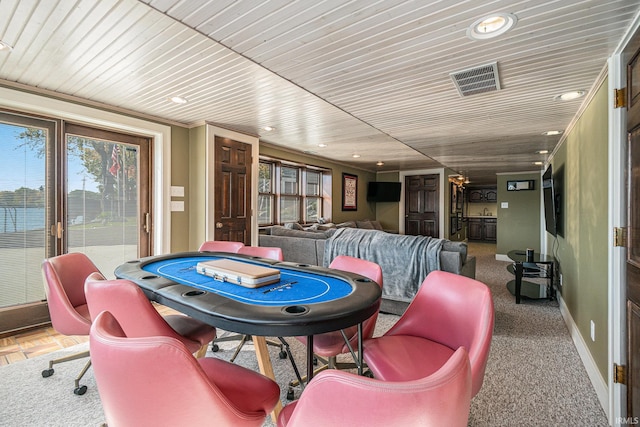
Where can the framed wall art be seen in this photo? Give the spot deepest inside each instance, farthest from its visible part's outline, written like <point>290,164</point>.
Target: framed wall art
<point>349,192</point>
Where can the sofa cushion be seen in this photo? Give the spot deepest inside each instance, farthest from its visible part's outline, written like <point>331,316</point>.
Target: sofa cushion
<point>281,231</point>
<point>460,247</point>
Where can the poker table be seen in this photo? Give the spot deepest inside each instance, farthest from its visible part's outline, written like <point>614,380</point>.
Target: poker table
<point>307,300</point>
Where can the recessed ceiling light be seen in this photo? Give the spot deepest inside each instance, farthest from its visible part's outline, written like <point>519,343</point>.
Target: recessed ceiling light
<point>356,156</point>
<point>552,132</point>
<point>322,145</point>
<point>380,163</point>
<point>268,128</point>
<point>542,152</point>
<point>178,100</point>
<point>6,47</point>
<point>569,96</point>
<point>538,163</point>
<point>491,26</point>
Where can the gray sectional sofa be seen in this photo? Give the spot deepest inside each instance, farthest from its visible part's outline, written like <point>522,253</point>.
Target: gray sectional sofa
<point>317,245</point>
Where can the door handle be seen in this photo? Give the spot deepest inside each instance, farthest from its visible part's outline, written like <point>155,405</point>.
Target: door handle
<point>219,225</point>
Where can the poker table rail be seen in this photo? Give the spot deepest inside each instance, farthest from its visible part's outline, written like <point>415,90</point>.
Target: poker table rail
<point>256,319</point>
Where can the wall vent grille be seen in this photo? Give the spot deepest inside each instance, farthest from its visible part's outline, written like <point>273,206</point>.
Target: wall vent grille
<point>477,80</point>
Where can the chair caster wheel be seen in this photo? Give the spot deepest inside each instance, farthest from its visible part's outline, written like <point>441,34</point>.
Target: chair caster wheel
<point>215,347</point>
<point>282,354</point>
<point>80,390</point>
<point>290,395</point>
<point>47,373</point>
<point>367,374</point>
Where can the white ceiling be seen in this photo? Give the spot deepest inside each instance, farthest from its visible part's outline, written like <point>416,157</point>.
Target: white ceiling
<point>363,76</point>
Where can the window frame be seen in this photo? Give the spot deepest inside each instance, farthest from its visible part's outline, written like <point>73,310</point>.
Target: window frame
<point>276,194</point>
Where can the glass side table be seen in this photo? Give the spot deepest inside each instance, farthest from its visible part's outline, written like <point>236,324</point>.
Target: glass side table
<point>540,266</point>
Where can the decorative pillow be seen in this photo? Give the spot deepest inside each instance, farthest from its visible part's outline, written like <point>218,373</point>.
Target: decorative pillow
<point>366,224</point>
<point>328,226</point>
<point>350,224</point>
<point>293,226</point>
<point>376,225</point>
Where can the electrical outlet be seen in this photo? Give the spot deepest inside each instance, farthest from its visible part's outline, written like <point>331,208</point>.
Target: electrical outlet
<point>593,331</point>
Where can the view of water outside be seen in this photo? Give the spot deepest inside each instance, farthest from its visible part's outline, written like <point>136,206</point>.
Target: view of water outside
<point>102,207</point>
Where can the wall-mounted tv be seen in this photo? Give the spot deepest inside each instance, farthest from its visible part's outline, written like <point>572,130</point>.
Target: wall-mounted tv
<point>384,191</point>
<point>552,190</point>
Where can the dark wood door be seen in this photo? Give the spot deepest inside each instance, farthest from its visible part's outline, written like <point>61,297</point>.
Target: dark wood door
<point>422,210</point>
<point>233,191</point>
<point>633,228</point>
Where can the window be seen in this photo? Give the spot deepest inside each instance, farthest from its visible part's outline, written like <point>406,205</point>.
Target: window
<point>265,193</point>
<point>292,192</point>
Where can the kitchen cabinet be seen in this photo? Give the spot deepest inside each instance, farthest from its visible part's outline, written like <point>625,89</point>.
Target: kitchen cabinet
<point>483,229</point>
<point>483,195</point>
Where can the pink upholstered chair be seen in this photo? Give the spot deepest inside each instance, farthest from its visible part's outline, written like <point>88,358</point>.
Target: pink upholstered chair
<point>125,300</point>
<point>155,381</point>
<point>448,311</point>
<point>331,344</point>
<point>64,277</point>
<point>336,398</point>
<point>267,252</point>
<point>220,246</point>
<point>262,252</point>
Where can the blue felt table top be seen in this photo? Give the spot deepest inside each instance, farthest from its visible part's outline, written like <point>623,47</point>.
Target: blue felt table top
<point>294,287</point>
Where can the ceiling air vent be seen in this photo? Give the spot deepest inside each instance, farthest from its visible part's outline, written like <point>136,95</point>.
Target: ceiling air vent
<point>477,80</point>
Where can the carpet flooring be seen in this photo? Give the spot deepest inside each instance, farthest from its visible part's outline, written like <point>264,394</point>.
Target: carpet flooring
<point>534,375</point>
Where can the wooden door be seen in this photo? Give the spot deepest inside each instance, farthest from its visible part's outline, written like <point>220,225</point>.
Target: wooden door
<point>422,209</point>
<point>633,227</point>
<point>232,190</point>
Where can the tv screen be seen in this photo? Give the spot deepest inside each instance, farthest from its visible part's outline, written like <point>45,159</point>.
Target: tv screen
<point>550,208</point>
<point>384,191</point>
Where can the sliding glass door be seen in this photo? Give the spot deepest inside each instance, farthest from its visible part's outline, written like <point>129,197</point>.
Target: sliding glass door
<point>25,208</point>
<point>66,188</point>
<point>107,196</point>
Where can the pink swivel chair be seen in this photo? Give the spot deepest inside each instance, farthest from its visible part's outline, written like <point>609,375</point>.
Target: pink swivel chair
<point>220,246</point>
<point>336,398</point>
<point>261,252</point>
<point>125,300</point>
<point>64,277</point>
<point>329,345</point>
<point>156,381</point>
<point>267,252</point>
<point>449,311</point>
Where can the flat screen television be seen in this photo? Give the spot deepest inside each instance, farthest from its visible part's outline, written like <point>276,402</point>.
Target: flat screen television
<point>550,202</point>
<point>384,191</point>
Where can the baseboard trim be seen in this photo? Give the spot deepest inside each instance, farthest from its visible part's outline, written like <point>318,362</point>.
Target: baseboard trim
<point>598,382</point>
<point>503,257</point>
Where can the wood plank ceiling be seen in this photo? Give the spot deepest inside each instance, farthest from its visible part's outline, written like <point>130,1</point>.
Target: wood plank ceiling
<point>362,76</point>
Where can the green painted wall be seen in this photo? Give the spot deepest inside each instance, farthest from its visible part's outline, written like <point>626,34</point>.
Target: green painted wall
<point>365,210</point>
<point>197,172</point>
<point>519,224</point>
<point>388,212</point>
<point>583,250</point>
<point>180,177</point>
